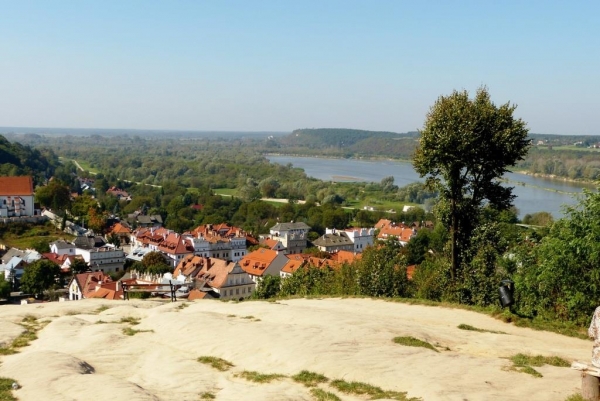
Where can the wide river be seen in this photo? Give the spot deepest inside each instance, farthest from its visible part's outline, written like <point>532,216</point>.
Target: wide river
<point>534,194</point>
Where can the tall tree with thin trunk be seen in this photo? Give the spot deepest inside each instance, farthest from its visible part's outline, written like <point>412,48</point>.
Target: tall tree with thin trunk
<point>465,146</point>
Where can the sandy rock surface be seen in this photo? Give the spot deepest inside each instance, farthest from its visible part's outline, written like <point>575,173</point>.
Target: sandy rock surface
<point>83,353</point>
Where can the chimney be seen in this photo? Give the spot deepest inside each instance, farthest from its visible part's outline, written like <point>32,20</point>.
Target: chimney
<point>208,265</point>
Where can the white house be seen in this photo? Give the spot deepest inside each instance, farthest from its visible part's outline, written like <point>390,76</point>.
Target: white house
<point>16,196</point>
<point>104,259</point>
<point>62,247</point>
<point>292,235</point>
<point>218,241</point>
<point>360,237</point>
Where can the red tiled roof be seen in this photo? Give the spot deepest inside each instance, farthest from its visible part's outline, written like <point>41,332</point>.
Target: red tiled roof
<point>383,223</point>
<point>345,256</point>
<point>174,244</point>
<point>14,186</point>
<point>292,265</point>
<point>401,232</point>
<point>257,262</point>
<point>119,228</point>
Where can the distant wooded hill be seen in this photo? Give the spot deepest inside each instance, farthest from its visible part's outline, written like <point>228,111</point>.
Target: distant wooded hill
<point>17,159</point>
<point>349,142</point>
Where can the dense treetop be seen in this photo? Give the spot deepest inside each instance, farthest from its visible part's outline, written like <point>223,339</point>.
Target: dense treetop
<point>17,159</point>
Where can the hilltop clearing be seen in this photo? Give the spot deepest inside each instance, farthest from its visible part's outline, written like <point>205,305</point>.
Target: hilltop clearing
<point>147,350</point>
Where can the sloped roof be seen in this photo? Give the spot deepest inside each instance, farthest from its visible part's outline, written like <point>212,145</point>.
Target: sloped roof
<point>292,265</point>
<point>12,252</point>
<point>257,262</point>
<point>272,243</point>
<point>401,232</point>
<point>119,228</point>
<point>383,223</point>
<point>15,186</point>
<point>290,226</point>
<point>62,244</point>
<point>214,272</point>
<point>345,257</point>
<point>87,282</point>
<point>85,242</point>
<point>334,239</point>
<point>174,244</point>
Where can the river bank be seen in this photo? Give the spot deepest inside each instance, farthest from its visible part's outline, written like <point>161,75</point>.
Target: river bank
<point>533,194</point>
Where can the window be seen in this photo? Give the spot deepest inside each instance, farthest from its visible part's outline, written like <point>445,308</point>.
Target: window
<point>237,291</point>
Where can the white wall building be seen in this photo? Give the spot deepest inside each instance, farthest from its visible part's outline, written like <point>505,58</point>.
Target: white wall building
<point>16,196</point>
<point>232,249</point>
<point>292,235</point>
<point>104,259</point>
<point>360,237</point>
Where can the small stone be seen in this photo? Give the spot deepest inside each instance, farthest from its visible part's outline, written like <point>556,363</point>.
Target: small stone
<point>15,386</point>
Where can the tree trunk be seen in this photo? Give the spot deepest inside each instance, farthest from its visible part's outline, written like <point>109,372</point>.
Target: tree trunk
<point>454,235</point>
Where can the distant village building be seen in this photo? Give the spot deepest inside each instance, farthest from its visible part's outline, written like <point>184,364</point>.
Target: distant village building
<point>292,235</point>
<point>95,285</point>
<point>16,196</point>
<point>119,193</point>
<point>122,231</point>
<point>175,247</point>
<point>400,232</point>
<point>62,247</point>
<point>98,255</point>
<point>334,241</point>
<point>218,241</point>
<point>263,262</point>
<point>140,220</point>
<point>360,238</point>
<point>224,278</point>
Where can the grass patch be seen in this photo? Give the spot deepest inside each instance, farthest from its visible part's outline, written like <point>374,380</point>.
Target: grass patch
<point>309,379</point>
<point>248,317</point>
<point>539,360</point>
<point>259,377</point>
<point>414,342</point>
<point>231,315</point>
<point>7,351</point>
<point>131,320</point>
<point>374,392</point>
<point>575,397</point>
<point>128,331</point>
<point>523,363</point>
<point>6,389</point>
<point>182,306</point>
<point>468,327</point>
<point>207,396</point>
<point>101,309</point>
<point>216,363</point>
<point>322,395</point>
<point>32,326</point>
<point>29,319</point>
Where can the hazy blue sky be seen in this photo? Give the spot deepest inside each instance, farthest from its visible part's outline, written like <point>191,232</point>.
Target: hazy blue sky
<point>280,65</point>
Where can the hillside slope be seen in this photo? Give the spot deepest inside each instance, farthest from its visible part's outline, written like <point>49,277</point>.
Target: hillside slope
<point>75,358</point>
